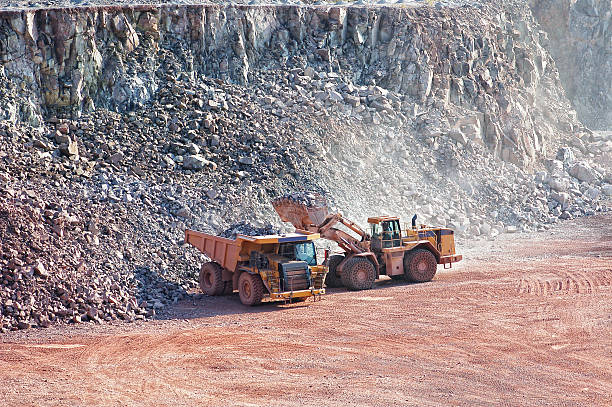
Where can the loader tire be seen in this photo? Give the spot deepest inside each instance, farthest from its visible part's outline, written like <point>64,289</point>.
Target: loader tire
<point>332,279</point>
<point>420,265</point>
<point>211,279</point>
<point>358,273</point>
<point>250,289</point>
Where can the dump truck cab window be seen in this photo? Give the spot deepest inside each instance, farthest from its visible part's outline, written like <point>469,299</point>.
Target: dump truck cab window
<point>299,251</point>
<point>306,252</point>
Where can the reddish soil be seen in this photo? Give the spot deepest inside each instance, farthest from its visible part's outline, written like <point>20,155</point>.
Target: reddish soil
<point>524,320</point>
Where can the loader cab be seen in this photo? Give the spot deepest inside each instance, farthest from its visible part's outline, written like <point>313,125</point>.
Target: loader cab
<point>386,232</point>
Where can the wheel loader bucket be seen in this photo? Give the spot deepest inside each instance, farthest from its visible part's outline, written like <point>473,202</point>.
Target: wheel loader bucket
<point>301,211</point>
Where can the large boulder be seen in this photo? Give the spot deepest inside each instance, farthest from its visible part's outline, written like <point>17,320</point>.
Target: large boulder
<point>583,172</point>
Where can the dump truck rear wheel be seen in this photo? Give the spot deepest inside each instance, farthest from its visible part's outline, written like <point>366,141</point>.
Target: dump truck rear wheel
<point>420,265</point>
<point>250,288</point>
<point>332,279</point>
<point>358,274</point>
<point>211,279</point>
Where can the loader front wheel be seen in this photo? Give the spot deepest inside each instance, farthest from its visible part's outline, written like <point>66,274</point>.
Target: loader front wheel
<point>250,289</point>
<point>211,279</point>
<point>420,265</point>
<point>358,273</point>
<point>332,279</point>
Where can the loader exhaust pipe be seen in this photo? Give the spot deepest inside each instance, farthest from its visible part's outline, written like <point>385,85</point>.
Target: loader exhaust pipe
<point>414,218</point>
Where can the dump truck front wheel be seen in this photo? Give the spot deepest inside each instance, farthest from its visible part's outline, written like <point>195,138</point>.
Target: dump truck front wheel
<point>420,265</point>
<point>358,274</point>
<point>250,289</point>
<point>211,279</point>
<point>332,279</point>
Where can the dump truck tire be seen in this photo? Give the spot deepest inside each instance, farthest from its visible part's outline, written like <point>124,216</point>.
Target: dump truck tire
<point>211,279</point>
<point>358,273</point>
<point>420,265</point>
<point>250,288</point>
<point>332,279</point>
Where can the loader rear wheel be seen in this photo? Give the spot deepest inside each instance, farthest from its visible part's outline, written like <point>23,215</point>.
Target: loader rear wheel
<point>211,279</point>
<point>420,265</point>
<point>358,274</point>
<point>250,289</point>
<point>332,279</point>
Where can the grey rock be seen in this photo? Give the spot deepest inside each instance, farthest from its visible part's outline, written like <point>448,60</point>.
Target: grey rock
<point>197,162</point>
<point>183,213</point>
<point>116,158</point>
<point>592,193</point>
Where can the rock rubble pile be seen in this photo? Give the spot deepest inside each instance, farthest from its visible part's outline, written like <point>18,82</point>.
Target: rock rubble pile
<point>99,180</point>
<point>245,228</point>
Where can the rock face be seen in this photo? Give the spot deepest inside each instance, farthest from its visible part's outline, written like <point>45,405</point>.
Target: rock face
<point>580,35</point>
<point>491,65</point>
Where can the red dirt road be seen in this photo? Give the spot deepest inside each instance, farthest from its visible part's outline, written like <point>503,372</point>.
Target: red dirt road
<point>523,321</point>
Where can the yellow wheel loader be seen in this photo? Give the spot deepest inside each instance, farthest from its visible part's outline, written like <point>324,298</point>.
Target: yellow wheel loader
<point>412,254</point>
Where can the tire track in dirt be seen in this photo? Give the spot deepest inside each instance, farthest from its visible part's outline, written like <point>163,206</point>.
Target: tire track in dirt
<point>578,282</point>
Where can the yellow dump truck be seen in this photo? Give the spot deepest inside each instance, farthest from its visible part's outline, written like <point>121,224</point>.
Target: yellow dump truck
<point>279,267</point>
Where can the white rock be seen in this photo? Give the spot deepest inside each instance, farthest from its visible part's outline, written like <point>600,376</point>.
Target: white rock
<point>561,197</point>
<point>559,184</point>
<point>583,172</point>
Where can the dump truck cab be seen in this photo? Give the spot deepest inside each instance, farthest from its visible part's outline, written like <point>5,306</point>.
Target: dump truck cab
<point>288,268</point>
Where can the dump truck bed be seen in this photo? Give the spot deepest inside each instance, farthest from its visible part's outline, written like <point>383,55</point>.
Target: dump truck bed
<point>226,251</point>
<point>220,249</point>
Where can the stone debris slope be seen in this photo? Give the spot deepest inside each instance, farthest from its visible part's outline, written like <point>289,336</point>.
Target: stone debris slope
<point>99,179</point>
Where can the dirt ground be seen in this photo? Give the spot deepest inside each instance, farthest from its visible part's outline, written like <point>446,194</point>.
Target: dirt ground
<point>524,320</point>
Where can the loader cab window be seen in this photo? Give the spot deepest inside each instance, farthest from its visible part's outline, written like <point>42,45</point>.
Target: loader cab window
<point>376,233</point>
<point>299,251</point>
<point>391,234</point>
